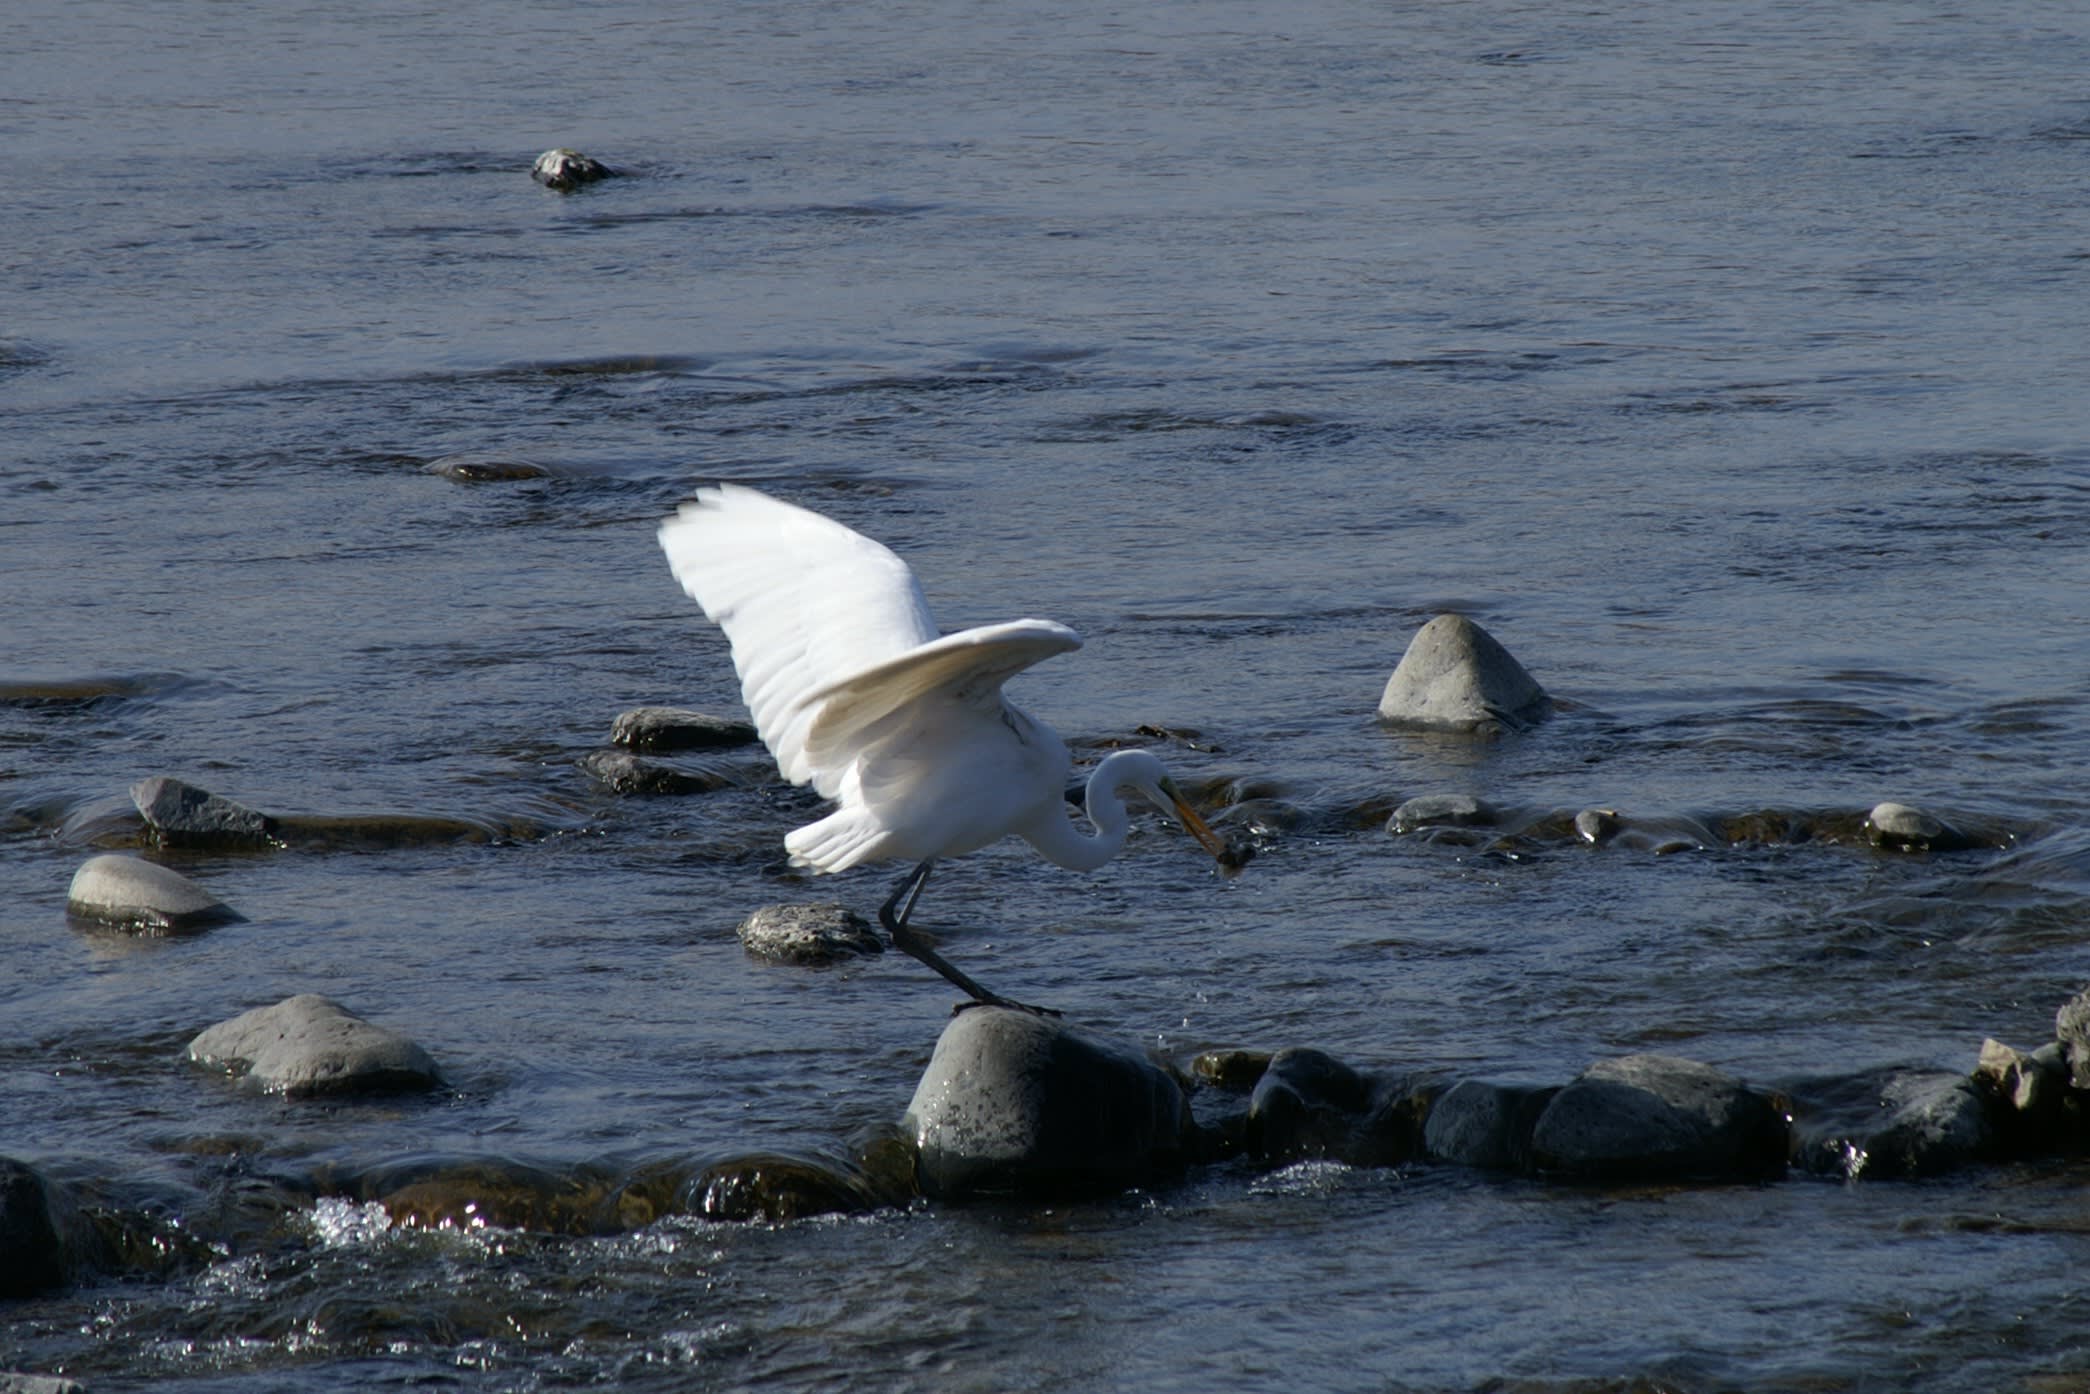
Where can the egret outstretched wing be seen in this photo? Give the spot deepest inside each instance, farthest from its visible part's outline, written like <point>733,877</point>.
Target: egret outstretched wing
<point>967,668</point>
<point>805,602</point>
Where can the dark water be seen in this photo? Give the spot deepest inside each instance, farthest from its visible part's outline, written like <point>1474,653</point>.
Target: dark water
<point>1726,362</point>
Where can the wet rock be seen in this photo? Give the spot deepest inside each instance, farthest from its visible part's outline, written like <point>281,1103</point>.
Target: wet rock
<point>308,1045</point>
<point>1234,1071</point>
<point>625,773</point>
<point>1016,1102</point>
<point>1658,1117</point>
<point>2072,1031</point>
<point>485,469</point>
<point>34,1253</point>
<point>1901,828</point>
<point>678,728</point>
<point>323,831</point>
<point>1309,1105</point>
<point>827,932</point>
<point>2029,1091</point>
<point>776,1188</point>
<point>1456,677</point>
<point>1890,1123</point>
<point>181,815</point>
<point>1661,835</point>
<point>1442,811</point>
<point>16,1382</point>
<point>1480,1124</point>
<point>566,170</point>
<point>130,893</point>
<point>1597,826</point>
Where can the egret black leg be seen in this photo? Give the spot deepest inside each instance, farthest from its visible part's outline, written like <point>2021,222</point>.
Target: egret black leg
<point>893,915</point>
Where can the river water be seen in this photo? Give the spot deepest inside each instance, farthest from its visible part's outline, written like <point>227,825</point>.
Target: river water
<point>1726,362</point>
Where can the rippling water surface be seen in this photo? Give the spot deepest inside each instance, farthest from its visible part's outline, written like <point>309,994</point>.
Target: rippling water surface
<point>1726,362</point>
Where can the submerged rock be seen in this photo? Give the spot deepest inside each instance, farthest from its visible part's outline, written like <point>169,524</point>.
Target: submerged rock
<point>772,1187</point>
<point>1442,811</point>
<point>178,814</point>
<point>132,893</point>
<point>308,1044</point>
<point>564,169</point>
<point>827,932</point>
<point>1658,1117</point>
<point>1902,828</point>
<point>1456,677</point>
<point>678,728</point>
<point>1309,1105</point>
<point>625,773</point>
<point>1481,1124</point>
<point>1021,1103</point>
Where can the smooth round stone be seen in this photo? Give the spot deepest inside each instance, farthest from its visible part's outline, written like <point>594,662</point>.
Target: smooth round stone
<point>137,894</point>
<point>1014,1102</point>
<point>564,169</point>
<point>1482,1124</point>
<point>309,1044</point>
<point>1456,677</point>
<point>827,932</point>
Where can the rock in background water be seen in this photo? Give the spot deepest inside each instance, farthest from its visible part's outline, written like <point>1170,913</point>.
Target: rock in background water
<point>309,1045</point>
<point>132,893</point>
<point>1456,677</point>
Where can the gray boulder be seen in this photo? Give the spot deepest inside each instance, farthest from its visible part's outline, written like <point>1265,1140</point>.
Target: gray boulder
<point>1481,1124</point>
<point>181,815</point>
<point>130,893</point>
<point>1021,1103</point>
<point>678,728</point>
<point>1456,677</point>
<point>827,932</point>
<point>1658,1117</point>
<point>308,1045</point>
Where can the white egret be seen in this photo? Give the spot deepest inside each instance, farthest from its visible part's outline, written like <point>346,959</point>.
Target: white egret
<point>856,694</point>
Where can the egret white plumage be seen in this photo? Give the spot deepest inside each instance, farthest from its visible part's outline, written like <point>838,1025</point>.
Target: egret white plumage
<point>855,693</point>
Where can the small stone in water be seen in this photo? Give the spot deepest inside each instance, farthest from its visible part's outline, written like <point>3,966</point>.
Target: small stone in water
<point>182,815</point>
<point>678,728</point>
<point>1899,826</point>
<point>308,1045</point>
<point>564,169</point>
<point>1441,810</point>
<point>625,773</point>
<point>137,894</point>
<point>828,932</point>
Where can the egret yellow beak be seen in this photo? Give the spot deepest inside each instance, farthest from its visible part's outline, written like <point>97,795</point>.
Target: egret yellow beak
<point>1194,825</point>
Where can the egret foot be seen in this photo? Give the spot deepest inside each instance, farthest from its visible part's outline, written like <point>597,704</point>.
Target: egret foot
<point>893,915</point>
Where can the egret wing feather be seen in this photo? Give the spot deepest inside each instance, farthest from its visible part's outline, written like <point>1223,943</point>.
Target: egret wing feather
<point>805,602</point>
<point>968,668</point>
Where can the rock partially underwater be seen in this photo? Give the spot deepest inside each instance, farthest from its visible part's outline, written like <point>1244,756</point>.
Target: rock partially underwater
<point>134,894</point>
<point>1013,1102</point>
<point>1456,677</point>
<point>310,1045</point>
<point>566,170</point>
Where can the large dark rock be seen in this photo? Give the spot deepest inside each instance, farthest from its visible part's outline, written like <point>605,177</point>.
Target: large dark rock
<point>181,815</point>
<point>1310,1105</point>
<point>35,1255</point>
<point>1456,677</point>
<point>1020,1103</point>
<point>1658,1117</point>
<point>130,893</point>
<point>1890,1123</point>
<point>1481,1124</point>
<point>308,1045</point>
